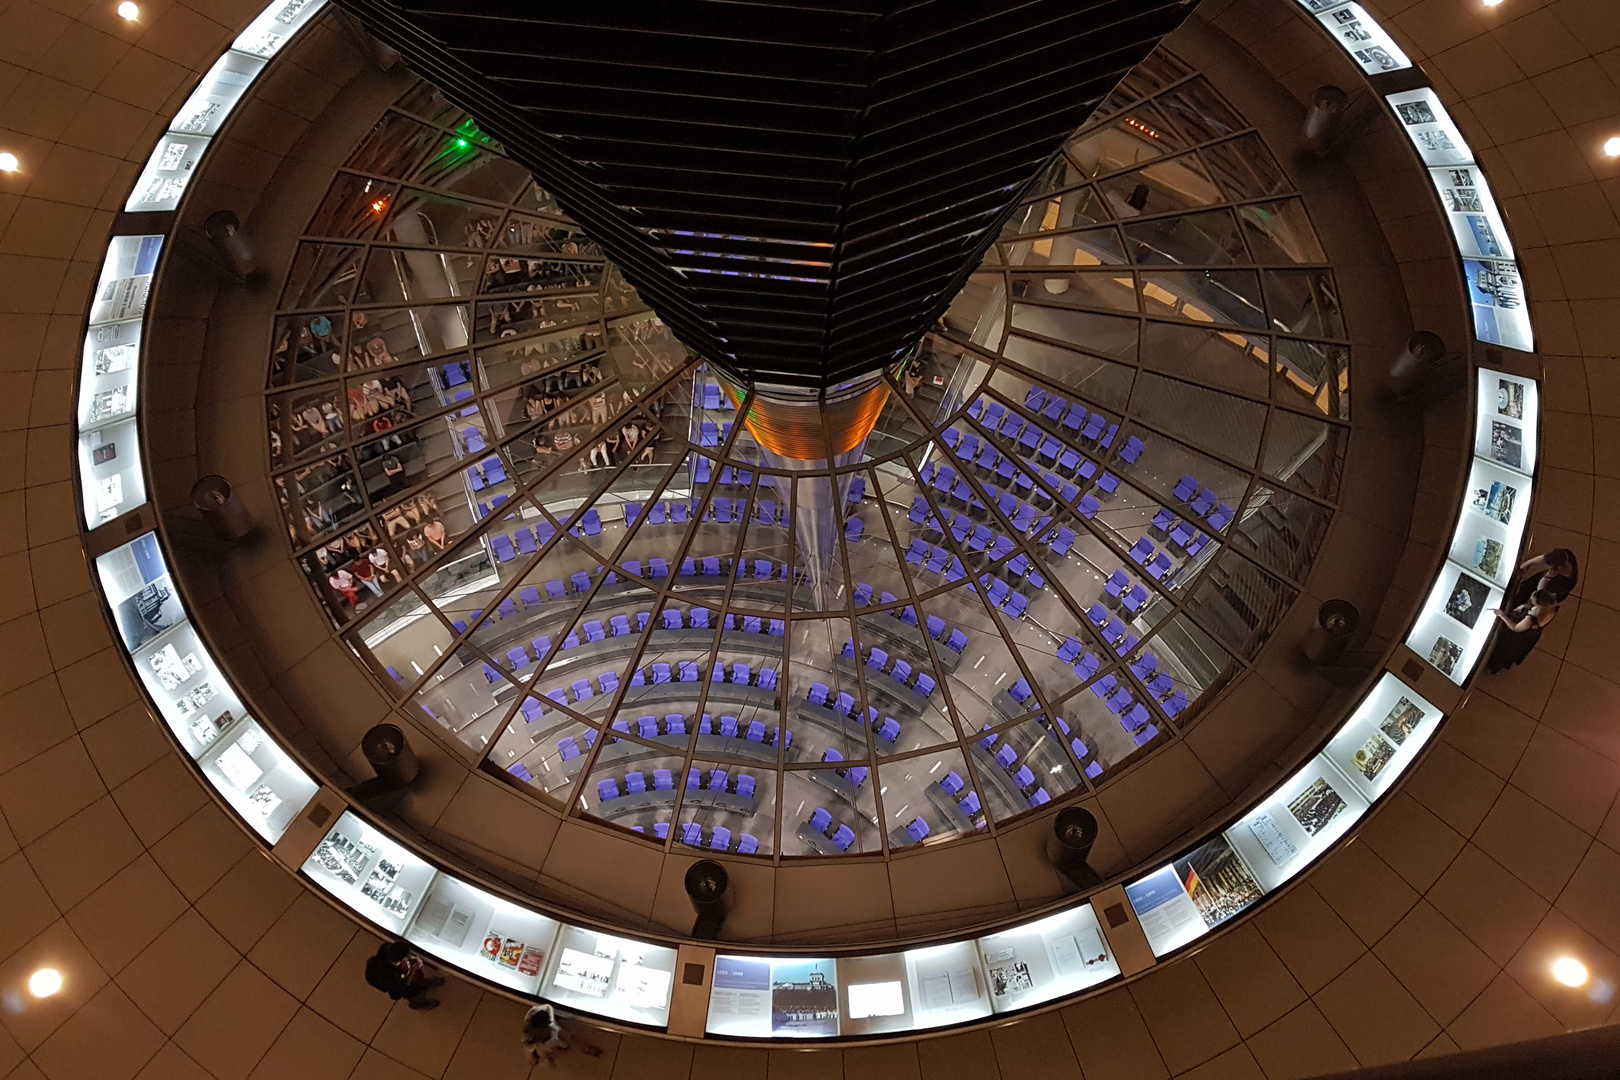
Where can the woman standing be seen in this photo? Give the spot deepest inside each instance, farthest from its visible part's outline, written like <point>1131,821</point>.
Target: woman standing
<point>1555,572</point>
<point>1520,630</point>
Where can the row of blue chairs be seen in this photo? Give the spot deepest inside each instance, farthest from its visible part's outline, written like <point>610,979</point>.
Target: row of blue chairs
<point>1179,534</point>
<point>1154,562</point>
<point>523,540</point>
<point>1203,502</point>
<point>717,567</point>
<point>966,798</point>
<point>684,671</point>
<point>1051,406</point>
<point>718,780</point>
<point>952,638</point>
<point>1133,715</point>
<point>900,671</point>
<point>1112,629</point>
<point>1006,756</point>
<point>1132,597</point>
<point>887,728</point>
<point>703,471</point>
<point>996,467</point>
<point>691,835</point>
<point>1158,682</point>
<point>855,774</point>
<point>712,398</point>
<point>1035,449</point>
<point>674,618</point>
<point>722,509</point>
<point>821,820</point>
<point>486,473</point>
<point>1082,753</point>
<point>725,727</point>
<point>712,434</point>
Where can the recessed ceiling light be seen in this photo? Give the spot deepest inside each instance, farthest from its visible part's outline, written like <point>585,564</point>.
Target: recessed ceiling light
<point>128,11</point>
<point>1612,147</point>
<point>47,981</point>
<point>8,162</point>
<point>1492,3</point>
<point>1569,971</point>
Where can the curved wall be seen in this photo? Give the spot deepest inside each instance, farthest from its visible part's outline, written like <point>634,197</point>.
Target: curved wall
<point>1320,932</point>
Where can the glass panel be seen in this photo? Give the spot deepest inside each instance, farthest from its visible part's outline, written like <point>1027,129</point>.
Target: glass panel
<point>1097,380</point>
<point>1218,296</point>
<point>1177,183</point>
<point>405,639</point>
<point>468,698</point>
<point>307,347</point>
<point>1309,454</point>
<point>1240,603</point>
<point>829,811</point>
<point>319,498</point>
<point>393,146</point>
<point>1106,334</point>
<point>352,208</point>
<point>1091,247</point>
<point>1283,530</point>
<point>1304,302</point>
<point>1199,111</point>
<point>1100,290</point>
<point>322,275</point>
<point>1280,232</point>
<point>979,310</point>
<point>1312,375</point>
<point>1071,210</point>
<point>1245,168</point>
<point>1207,239</point>
<point>1216,422</point>
<point>731,808</point>
<point>1219,358</point>
<point>352,572</point>
<point>1020,768</point>
<point>929,799</point>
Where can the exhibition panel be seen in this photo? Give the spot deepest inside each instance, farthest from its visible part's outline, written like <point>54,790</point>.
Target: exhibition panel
<point>251,770</point>
<point>112,479</point>
<point>530,512</point>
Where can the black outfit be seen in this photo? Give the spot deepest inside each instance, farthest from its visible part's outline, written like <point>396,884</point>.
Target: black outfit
<point>384,972</point>
<point>1512,646</point>
<point>1556,584</point>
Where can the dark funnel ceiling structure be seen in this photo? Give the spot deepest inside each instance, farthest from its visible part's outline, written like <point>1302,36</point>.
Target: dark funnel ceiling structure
<point>800,189</point>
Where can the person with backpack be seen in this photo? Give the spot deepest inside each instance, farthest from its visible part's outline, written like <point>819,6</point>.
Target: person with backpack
<point>400,972</point>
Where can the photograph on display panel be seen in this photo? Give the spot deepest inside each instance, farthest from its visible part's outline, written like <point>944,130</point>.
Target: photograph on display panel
<point>1219,881</point>
<point>1468,598</point>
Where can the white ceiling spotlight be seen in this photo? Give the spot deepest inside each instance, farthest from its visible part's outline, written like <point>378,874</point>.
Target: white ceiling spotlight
<point>1612,147</point>
<point>9,162</point>
<point>1569,971</point>
<point>129,11</point>
<point>44,982</point>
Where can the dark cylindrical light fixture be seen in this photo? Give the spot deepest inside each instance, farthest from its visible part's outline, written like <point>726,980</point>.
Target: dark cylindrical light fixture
<point>221,508</point>
<point>706,885</point>
<point>1325,119</point>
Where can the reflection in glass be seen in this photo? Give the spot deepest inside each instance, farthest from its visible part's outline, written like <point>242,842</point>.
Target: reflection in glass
<point>594,578</point>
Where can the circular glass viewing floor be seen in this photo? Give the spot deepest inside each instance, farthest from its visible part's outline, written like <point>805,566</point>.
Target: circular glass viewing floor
<point>567,547</point>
